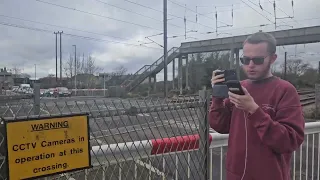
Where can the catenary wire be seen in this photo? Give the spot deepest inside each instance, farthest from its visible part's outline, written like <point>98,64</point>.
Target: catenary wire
<point>106,3</point>
<point>99,15</point>
<point>73,35</point>
<point>21,19</point>
<point>159,11</point>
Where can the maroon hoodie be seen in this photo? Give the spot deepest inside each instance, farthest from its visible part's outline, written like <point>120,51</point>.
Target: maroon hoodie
<point>274,131</point>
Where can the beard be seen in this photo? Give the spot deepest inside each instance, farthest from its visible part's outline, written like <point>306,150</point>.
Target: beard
<point>262,75</point>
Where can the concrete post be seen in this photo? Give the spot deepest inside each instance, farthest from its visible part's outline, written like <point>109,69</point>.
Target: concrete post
<point>187,73</point>
<point>231,58</point>
<point>173,72</point>
<point>150,84</point>
<point>180,74</point>
<point>237,62</point>
<point>155,83</point>
<point>204,97</point>
<point>36,98</point>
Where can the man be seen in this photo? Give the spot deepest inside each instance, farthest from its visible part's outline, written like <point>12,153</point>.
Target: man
<point>266,124</point>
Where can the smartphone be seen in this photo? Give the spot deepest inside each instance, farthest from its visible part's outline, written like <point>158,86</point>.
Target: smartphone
<point>218,73</point>
<point>229,74</point>
<point>235,87</point>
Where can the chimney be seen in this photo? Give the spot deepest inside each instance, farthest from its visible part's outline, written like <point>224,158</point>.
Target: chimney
<point>1,70</point>
<point>5,69</point>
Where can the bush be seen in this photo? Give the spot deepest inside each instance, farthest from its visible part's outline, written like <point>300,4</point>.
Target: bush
<point>312,114</point>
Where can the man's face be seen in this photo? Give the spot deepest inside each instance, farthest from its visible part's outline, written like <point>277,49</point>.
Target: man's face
<point>257,51</point>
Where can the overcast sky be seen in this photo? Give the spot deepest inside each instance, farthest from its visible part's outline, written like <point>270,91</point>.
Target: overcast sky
<point>112,30</point>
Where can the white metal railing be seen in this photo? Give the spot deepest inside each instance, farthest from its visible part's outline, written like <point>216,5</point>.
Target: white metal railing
<point>305,161</point>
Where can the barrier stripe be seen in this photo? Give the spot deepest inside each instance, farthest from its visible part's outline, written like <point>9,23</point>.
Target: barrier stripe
<point>175,144</point>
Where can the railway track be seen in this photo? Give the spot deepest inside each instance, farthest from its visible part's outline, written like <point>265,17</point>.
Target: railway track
<point>307,99</point>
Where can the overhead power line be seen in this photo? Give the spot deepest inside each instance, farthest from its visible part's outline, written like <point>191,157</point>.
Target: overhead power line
<point>99,15</point>
<point>274,15</point>
<point>246,27</point>
<point>141,45</point>
<point>235,8</point>
<point>73,35</point>
<point>106,3</point>
<point>191,10</point>
<point>257,11</point>
<point>21,19</point>
<point>159,11</point>
<point>288,17</point>
<point>195,11</point>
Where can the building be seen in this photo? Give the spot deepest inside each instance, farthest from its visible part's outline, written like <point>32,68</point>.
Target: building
<point>6,79</point>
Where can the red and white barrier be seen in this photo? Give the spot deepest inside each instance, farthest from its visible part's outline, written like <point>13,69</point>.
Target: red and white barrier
<point>114,153</point>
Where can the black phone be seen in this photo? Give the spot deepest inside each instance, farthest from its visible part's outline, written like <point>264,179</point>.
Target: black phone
<point>235,87</point>
<point>229,74</point>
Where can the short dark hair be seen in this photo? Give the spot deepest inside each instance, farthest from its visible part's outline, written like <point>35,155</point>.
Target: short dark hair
<point>260,37</point>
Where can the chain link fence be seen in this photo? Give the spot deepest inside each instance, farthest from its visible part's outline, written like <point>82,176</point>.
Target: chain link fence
<point>129,138</point>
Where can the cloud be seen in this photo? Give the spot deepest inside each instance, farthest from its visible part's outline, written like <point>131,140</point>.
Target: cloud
<point>91,25</point>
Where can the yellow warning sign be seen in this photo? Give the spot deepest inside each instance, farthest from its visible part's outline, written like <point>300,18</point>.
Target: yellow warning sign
<point>41,147</point>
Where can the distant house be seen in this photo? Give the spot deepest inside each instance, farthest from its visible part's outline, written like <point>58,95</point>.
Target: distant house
<point>86,81</point>
<point>6,78</point>
<point>21,80</point>
<point>50,82</point>
<point>34,80</point>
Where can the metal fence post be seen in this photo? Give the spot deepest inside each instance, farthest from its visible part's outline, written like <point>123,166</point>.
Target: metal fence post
<point>36,98</point>
<point>317,100</point>
<point>3,152</point>
<point>204,134</point>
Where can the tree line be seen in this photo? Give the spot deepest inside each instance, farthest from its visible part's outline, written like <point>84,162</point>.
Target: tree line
<point>298,71</point>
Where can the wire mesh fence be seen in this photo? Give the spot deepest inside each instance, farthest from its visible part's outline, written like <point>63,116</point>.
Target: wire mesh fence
<point>145,138</point>
<point>129,138</point>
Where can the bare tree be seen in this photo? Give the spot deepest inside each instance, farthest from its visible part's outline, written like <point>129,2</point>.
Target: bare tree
<point>69,67</point>
<point>296,67</point>
<point>16,72</point>
<point>91,66</point>
<point>120,70</point>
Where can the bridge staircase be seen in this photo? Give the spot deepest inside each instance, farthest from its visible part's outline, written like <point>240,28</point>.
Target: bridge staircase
<point>149,70</point>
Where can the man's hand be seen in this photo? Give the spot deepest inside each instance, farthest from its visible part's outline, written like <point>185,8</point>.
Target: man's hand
<point>243,102</point>
<point>216,79</point>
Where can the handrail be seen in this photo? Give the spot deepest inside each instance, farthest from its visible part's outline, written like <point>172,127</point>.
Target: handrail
<point>153,66</point>
<point>149,148</point>
<point>136,73</point>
